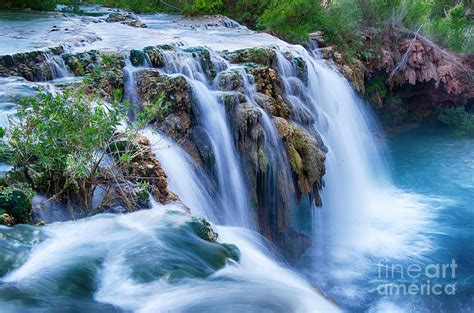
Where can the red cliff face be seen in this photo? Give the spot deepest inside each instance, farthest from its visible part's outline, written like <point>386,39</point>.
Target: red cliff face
<point>411,79</point>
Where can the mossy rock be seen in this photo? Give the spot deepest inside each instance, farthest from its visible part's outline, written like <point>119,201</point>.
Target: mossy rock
<point>203,229</point>
<point>6,219</point>
<point>137,57</point>
<point>263,56</point>
<point>16,204</point>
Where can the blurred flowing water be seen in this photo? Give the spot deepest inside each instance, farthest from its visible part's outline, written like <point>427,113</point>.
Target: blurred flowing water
<point>403,200</point>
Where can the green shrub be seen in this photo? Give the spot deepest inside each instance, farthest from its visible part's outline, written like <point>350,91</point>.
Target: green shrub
<point>59,143</point>
<point>457,117</point>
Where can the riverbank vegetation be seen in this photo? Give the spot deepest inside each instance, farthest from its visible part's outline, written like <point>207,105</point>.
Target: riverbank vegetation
<point>78,149</point>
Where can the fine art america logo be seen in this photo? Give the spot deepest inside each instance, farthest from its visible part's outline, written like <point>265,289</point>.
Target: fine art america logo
<point>432,279</point>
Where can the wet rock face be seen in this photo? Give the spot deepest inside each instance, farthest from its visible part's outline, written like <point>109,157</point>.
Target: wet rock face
<point>126,19</point>
<point>249,136</point>
<point>354,72</point>
<point>155,54</point>
<point>268,83</point>
<point>179,121</point>
<point>32,66</point>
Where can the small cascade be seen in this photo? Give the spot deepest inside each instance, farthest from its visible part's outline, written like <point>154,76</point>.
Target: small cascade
<point>184,178</point>
<point>231,184</point>
<point>57,66</point>
<point>130,86</point>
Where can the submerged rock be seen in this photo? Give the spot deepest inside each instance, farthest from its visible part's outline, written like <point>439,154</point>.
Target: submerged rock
<point>203,229</point>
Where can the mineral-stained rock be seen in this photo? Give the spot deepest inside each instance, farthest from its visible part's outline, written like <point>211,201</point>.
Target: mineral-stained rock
<point>305,156</point>
<point>231,81</point>
<point>418,78</point>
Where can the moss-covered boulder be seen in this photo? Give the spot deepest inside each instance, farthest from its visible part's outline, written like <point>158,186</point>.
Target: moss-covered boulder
<point>137,57</point>
<point>305,156</point>
<point>15,206</point>
<point>265,56</point>
<point>85,62</point>
<point>155,54</point>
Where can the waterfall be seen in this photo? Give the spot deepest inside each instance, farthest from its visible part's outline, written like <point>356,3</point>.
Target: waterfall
<point>184,178</point>
<point>234,200</point>
<point>130,88</point>
<point>364,217</point>
<point>57,66</point>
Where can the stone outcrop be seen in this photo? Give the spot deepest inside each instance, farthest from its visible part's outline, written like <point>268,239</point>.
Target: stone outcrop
<point>418,79</point>
<point>145,167</point>
<point>151,85</point>
<point>268,84</point>
<point>261,56</point>
<point>354,72</point>
<point>102,71</point>
<point>305,156</point>
<point>408,79</point>
<point>33,66</point>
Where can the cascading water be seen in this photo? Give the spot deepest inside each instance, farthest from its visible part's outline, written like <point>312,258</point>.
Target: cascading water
<point>232,188</point>
<point>57,66</point>
<point>363,216</point>
<point>151,260</point>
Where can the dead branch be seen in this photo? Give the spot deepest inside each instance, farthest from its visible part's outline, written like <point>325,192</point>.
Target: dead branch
<point>404,59</point>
